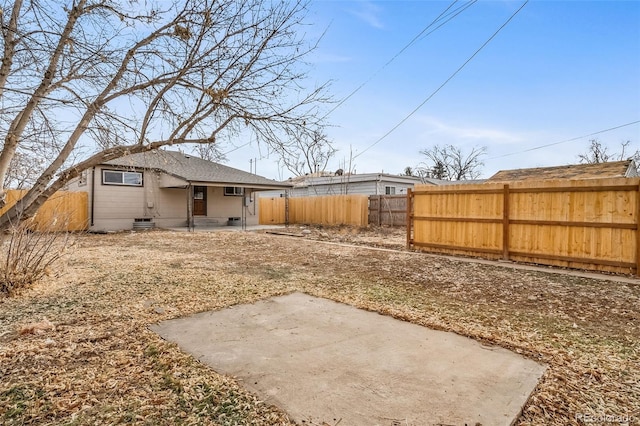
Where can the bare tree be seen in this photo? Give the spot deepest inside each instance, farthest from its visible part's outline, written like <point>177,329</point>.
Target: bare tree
<point>448,162</point>
<point>210,152</point>
<point>597,153</point>
<point>88,81</point>
<point>307,151</point>
<point>23,170</point>
<point>408,171</point>
<point>627,154</point>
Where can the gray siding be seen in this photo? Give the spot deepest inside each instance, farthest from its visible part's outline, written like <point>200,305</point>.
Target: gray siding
<point>343,186</point>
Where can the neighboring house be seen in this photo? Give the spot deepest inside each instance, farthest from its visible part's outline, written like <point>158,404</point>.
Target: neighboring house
<point>169,189</point>
<point>613,169</point>
<point>365,183</point>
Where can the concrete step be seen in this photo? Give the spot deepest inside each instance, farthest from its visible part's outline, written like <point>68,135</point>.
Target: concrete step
<point>206,222</point>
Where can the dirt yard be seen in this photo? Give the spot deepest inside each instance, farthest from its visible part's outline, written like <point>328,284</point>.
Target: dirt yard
<point>76,350</point>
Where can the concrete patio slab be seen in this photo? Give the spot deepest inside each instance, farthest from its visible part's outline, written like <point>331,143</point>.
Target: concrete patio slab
<point>327,363</point>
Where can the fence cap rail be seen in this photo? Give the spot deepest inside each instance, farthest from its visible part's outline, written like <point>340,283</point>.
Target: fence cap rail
<point>622,184</point>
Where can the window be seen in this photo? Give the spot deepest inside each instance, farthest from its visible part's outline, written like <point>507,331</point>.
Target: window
<point>390,190</point>
<point>233,190</point>
<point>115,177</point>
<point>199,192</point>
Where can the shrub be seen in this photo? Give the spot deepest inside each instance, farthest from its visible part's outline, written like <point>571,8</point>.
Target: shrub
<point>26,255</point>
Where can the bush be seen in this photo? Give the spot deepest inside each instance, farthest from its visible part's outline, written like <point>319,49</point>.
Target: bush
<point>26,255</point>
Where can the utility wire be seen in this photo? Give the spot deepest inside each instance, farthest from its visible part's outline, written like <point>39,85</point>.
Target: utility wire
<point>565,141</point>
<point>444,16</point>
<point>443,84</point>
<point>419,36</point>
<point>236,148</point>
<point>450,16</point>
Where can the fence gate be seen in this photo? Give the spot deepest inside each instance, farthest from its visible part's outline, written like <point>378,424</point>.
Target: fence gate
<point>390,210</point>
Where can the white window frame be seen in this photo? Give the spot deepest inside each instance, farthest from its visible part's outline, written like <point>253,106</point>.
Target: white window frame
<point>389,190</point>
<point>123,180</point>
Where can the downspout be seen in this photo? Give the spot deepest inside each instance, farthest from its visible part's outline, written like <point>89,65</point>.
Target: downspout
<point>93,192</point>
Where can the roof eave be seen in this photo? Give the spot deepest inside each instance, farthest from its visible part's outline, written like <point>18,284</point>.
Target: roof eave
<point>260,186</point>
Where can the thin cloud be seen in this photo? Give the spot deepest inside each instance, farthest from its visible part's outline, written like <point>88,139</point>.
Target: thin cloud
<point>369,13</point>
<point>434,125</point>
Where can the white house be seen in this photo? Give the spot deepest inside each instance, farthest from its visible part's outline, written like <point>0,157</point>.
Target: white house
<point>365,183</point>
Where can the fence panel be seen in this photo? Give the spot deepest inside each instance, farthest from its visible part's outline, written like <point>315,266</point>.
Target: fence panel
<point>271,211</point>
<point>587,224</point>
<point>68,211</point>
<point>458,219</point>
<point>388,210</point>
<point>324,210</point>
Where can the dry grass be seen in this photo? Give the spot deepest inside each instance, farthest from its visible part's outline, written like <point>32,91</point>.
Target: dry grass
<point>93,360</point>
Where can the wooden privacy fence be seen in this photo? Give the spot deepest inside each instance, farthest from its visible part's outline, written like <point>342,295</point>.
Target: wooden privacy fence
<point>324,210</point>
<point>586,224</point>
<point>64,211</point>
<point>388,210</point>
<point>272,211</point>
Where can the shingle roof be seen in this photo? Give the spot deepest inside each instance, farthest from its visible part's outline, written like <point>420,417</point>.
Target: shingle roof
<point>195,169</point>
<point>611,169</point>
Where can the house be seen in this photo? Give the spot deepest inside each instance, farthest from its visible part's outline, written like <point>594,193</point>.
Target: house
<point>613,169</point>
<point>341,184</point>
<point>170,189</point>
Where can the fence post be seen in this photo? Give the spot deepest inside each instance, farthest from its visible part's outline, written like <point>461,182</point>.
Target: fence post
<point>638,231</point>
<point>379,210</point>
<point>190,223</point>
<point>286,208</point>
<point>409,217</point>
<point>505,222</point>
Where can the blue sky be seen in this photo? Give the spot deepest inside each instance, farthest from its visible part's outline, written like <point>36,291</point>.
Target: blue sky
<point>557,71</point>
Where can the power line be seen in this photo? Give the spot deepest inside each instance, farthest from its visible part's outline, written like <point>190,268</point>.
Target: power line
<point>418,37</point>
<point>450,16</point>
<point>565,141</point>
<point>236,148</point>
<point>445,82</point>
